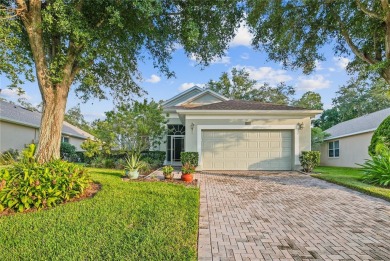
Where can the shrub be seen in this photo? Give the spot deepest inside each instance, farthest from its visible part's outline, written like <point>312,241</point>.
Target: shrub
<point>91,148</point>
<point>167,169</point>
<point>155,155</point>
<point>9,157</point>
<point>28,154</point>
<point>381,135</point>
<point>145,168</point>
<point>377,169</point>
<point>31,185</point>
<point>309,160</point>
<point>189,157</point>
<point>67,151</point>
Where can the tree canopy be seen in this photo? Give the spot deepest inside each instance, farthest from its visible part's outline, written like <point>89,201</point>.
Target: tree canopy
<point>240,86</point>
<point>357,98</point>
<point>96,47</point>
<point>137,126</point>
<point>76,118</point>
<point>293,32</point>
<point>309,100</point>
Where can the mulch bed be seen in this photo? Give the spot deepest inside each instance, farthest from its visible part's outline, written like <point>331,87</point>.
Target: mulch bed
<point>193,183</point>
<point>90,192</point>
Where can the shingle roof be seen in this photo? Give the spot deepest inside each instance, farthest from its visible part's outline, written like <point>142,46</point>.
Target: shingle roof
<point>18,114</point>
<point>241,105</point>
<point>362,124</point>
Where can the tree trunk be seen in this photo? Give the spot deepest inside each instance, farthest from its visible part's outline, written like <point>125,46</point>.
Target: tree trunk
<point>54,103</point>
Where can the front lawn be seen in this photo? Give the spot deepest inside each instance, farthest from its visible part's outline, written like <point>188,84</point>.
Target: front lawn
<point>124,221</point>
<point>351,178</point>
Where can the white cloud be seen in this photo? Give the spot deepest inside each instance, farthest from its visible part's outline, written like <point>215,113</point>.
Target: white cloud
<point>244,56</point>
<point>341,62</point>
<point>266,74</point>
<point>187,85</point>
<point>313,83</point>
<point>153,79</point>
<point>243,36</point>
<point>331,69</point>
<point>216,60</point>
<point>221,60</point>
<point>13,94</point>
<point>318,66</point>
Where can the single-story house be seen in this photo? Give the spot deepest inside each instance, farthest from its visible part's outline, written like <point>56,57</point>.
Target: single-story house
<point>20,127</point>
<point>235,134</point>
<point>348,142</point>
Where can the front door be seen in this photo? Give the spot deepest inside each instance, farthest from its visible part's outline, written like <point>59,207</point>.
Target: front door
<point>177,146</point>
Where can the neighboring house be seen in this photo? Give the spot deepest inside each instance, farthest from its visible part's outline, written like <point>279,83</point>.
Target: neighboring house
<point>20,127</point>
<point>348,141</point>
<point>235,134</point>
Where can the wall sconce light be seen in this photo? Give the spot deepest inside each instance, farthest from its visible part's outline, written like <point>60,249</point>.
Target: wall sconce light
<point>300,125</point>
<point>192,126</point>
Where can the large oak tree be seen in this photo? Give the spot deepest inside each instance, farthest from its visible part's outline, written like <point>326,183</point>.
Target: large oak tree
<point>96,46</point>
<point>293,32</point>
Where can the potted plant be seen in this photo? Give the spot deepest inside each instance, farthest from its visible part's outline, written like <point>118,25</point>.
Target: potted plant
<point>167,171</point>
<point>132,166</point>
<point>187,169</point>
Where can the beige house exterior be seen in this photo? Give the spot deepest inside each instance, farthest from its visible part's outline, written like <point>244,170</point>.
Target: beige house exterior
<point>234,134</point>
<point>348,144</point>
<point>20,127</point>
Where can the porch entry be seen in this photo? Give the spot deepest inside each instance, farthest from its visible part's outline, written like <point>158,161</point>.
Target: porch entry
<point>175,143</point>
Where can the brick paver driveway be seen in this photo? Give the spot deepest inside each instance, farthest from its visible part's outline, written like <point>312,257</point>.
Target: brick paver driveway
<point>288,216</point>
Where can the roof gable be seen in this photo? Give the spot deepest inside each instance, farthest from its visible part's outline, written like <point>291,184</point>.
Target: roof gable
<point>203,98</point>
<point>243,105</point>
<point>366,123</point>
<point>183,96</point>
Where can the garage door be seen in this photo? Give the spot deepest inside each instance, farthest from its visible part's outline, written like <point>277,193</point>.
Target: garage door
<point>246,150</point>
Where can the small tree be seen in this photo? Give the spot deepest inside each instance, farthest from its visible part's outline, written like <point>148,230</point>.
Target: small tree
<point>91,148</point>
<point>381,137</point>
<point>317,138</point>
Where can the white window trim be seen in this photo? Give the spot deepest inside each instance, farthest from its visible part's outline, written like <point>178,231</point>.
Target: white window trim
<point>200,128</point>
<point>334,150</point>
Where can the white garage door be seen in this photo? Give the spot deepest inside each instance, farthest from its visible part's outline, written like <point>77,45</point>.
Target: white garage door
<point>247,150</point>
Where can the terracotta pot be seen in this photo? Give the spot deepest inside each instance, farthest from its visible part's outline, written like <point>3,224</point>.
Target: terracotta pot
<point>187,177</point>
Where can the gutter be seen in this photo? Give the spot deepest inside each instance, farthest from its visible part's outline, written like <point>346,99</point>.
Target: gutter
<point>349,134</point>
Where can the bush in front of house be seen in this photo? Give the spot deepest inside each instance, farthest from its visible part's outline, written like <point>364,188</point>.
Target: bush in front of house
<point>28,184</point>
<point>9,156</point>
<point>309,160</point>
<point>377,169</point>
<point>189,157</point>
<point>158,156</point>
<point>67,151</point>
<point>380,136</point>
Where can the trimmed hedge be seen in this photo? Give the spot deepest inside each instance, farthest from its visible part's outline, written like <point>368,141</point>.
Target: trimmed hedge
<point>381,135</point>
<point>189,157</point>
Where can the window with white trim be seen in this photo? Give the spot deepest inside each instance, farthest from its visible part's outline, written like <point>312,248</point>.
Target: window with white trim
<point>334,149</point>
<point>65,139</point>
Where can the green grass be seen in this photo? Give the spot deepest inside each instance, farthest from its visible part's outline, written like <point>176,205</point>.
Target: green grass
<point>124,221</point>
<point>351,178</point>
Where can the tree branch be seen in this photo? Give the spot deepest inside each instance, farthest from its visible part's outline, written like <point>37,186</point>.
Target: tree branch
<point>353,47</point>
<point>32,20</point>
<point>368,12</point>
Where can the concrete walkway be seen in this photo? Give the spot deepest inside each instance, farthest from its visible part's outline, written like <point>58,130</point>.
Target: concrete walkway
<point>288,216</point>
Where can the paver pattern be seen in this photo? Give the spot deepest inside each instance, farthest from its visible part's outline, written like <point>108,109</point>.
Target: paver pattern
<point>288,216</point>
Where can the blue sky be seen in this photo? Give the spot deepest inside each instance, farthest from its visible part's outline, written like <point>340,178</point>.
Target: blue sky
<point>326,79</point>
